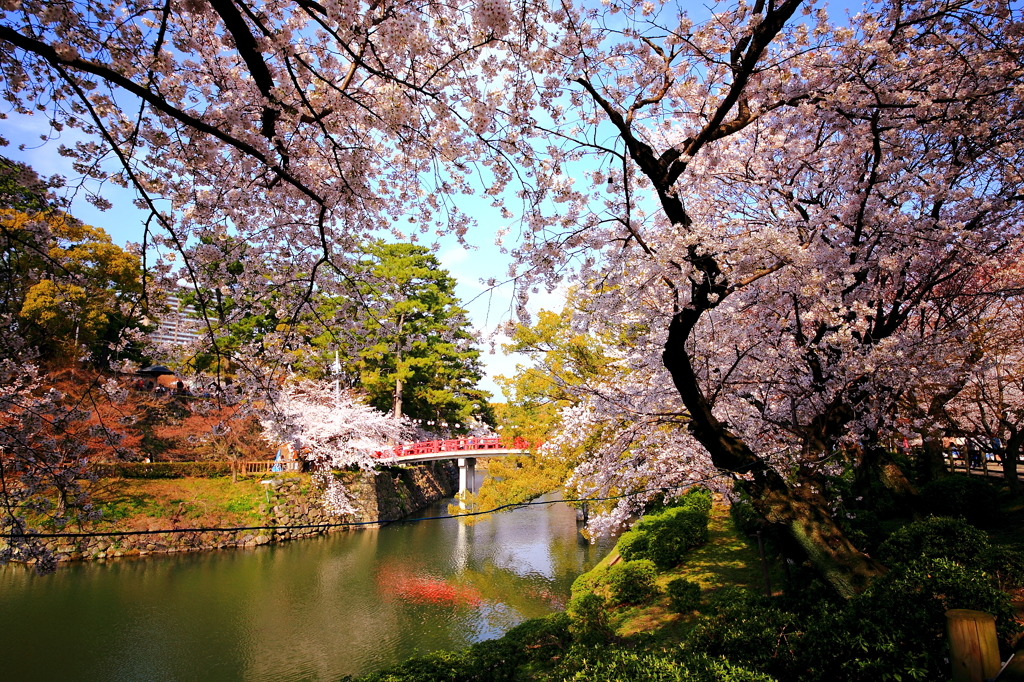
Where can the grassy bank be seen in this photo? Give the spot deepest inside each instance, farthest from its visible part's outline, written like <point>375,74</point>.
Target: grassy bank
<point>140,504</point>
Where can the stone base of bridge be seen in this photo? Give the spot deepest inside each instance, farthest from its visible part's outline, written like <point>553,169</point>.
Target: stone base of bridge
<point>467,475</point>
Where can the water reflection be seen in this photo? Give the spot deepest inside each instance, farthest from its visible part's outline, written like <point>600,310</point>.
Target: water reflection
<point>310,610</point>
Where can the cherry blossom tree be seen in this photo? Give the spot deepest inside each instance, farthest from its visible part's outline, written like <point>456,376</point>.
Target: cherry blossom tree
<point>332,430</point>
<point>773,209</point>
<point>818,192</point>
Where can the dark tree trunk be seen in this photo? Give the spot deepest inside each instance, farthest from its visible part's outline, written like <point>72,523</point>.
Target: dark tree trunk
<point>931,463</point>
<point>876,464</point>
<point>801,508</point>
<point>1011,455</point>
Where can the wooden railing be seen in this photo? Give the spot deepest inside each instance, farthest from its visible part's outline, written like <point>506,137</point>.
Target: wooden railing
<point>267,466</point>
<point>991,464</point>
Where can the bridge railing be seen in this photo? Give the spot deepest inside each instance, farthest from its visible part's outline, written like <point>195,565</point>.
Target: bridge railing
<point>431,447</point>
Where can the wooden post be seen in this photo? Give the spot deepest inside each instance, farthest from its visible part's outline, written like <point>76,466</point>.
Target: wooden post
<point>764,566</point>
<point>973,647</point>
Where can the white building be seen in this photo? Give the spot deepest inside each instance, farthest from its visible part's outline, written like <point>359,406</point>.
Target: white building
<point>179,326</point>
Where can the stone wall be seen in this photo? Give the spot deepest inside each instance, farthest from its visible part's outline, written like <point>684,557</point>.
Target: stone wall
<point>293,500</point>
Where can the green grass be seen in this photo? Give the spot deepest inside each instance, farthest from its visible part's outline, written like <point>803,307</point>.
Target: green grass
<point>728,559</point>
<point>141,503</point>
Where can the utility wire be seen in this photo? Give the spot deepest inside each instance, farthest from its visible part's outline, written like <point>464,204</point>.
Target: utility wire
<point>386,522</point>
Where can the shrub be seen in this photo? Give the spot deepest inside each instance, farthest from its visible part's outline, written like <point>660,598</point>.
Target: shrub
<point>665,537</point>
<point>683,595</point>
<point>588,618</point>
<point>864,530</point>
<point>1005,565</point>
<point>748,630</point>
<point>440,666</point>
<point>909,604</point>
<point>605,664</point>
<point>934,538</point>
<point>632,582</point>
<point>966,496</point>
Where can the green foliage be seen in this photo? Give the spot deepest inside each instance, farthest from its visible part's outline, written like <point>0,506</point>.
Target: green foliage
<point>863,529</point>
<point>417,339</point>
<point>632,582</point>
<point>440,666</point>
<point>683,595</point>
<point>490,661</point>
<point>894,631</point>
<point>588,618</point>
<point>1005,565</point>
<point>561,358</point>
<point>966,496</point>
<point>66,284</point>
<point>615,664</point>
<point>665,537</point>
<point>934,538</point>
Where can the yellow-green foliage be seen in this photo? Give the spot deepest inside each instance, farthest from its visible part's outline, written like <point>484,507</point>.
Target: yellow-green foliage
<point>72,286</point>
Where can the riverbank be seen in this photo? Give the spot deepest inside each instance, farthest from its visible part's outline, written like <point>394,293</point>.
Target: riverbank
<point>141,517</point>
<point>706,617</point>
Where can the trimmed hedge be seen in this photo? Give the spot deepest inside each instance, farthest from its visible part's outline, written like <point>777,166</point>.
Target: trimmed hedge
<point>957,541</point>
<point>969,497</point>
<point>934,538</point>
<point>667,536</point>
<point>588,618</point>
<point>632,582</point>
<point>162,469</point>
<point>683,595</point>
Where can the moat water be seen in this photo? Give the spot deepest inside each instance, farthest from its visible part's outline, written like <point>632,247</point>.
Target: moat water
<point>317,609</point>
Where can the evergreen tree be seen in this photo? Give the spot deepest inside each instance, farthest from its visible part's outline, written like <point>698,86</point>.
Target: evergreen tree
<point>418,357</point>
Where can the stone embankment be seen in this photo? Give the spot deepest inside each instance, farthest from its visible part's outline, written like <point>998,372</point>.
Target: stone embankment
<point>293,501</point>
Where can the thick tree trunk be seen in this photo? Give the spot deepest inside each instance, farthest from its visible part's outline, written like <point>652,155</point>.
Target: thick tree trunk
<point>931,463</point>
<point>876,464</point>
<point>802,509</point>
<point>1011,455</point>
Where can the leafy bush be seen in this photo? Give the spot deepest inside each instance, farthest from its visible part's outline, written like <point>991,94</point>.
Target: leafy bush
<point>895,631</point>
<point>588,618</point>
<point>495,660</point>
<point>605,664</point>
<point>683,595</point>
<point>912,600</point>
<point>1005,565</point>
<point>934,538</point>
<point>966,496</point>
<point>440,666</point>
<point>632,582</point>
<point>863,529</point>
<point>665,537</point>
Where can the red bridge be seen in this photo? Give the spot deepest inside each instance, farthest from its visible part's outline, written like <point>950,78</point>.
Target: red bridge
<point>466,450</point>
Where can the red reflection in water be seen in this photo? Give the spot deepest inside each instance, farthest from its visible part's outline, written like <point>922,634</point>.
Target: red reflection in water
<point>396,581</point>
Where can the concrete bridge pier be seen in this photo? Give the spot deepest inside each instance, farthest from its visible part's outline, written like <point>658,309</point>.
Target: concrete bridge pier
<point>467,475</point>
